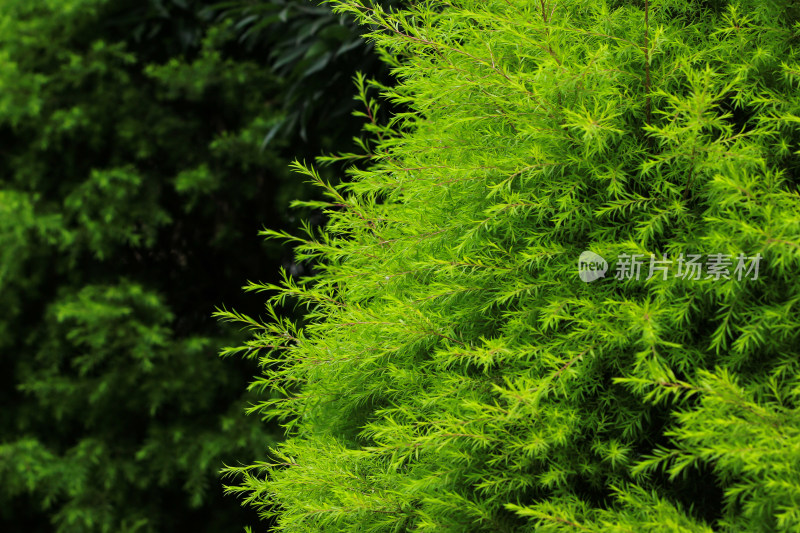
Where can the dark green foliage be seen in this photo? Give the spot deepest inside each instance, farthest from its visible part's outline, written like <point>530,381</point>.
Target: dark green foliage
<point>315,52</point>
<point>132,179</point>
<point>454,373</point>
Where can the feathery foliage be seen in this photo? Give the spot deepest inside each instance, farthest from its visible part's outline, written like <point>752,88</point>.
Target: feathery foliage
<point>454,373</point>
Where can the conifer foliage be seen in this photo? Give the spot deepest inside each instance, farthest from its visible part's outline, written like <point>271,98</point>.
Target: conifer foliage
<point>453,371</point>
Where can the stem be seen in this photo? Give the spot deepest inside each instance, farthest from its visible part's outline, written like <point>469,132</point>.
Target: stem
<point>647,57</point>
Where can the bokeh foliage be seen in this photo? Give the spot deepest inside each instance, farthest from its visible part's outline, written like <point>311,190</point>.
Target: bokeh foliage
<point>133,177</point>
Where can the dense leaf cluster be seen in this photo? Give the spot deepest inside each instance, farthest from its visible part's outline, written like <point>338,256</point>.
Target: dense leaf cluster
<point>454,373</point>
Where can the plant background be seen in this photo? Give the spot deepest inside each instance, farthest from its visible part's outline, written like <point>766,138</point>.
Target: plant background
<point>142,146</point>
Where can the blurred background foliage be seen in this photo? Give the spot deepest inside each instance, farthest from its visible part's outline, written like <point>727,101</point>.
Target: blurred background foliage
<point>143,143</point>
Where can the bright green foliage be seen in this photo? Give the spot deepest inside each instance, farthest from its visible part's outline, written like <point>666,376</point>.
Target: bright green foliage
<point>454,373</point>
<point>132,178</point>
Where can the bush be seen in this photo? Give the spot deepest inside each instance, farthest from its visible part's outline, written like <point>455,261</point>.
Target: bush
<point>455,372</point>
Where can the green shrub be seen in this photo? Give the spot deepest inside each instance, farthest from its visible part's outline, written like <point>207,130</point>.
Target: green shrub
<point>454,372</point>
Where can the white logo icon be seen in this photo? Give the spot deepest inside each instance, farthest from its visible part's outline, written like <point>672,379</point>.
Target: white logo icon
<point>591,267</point>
